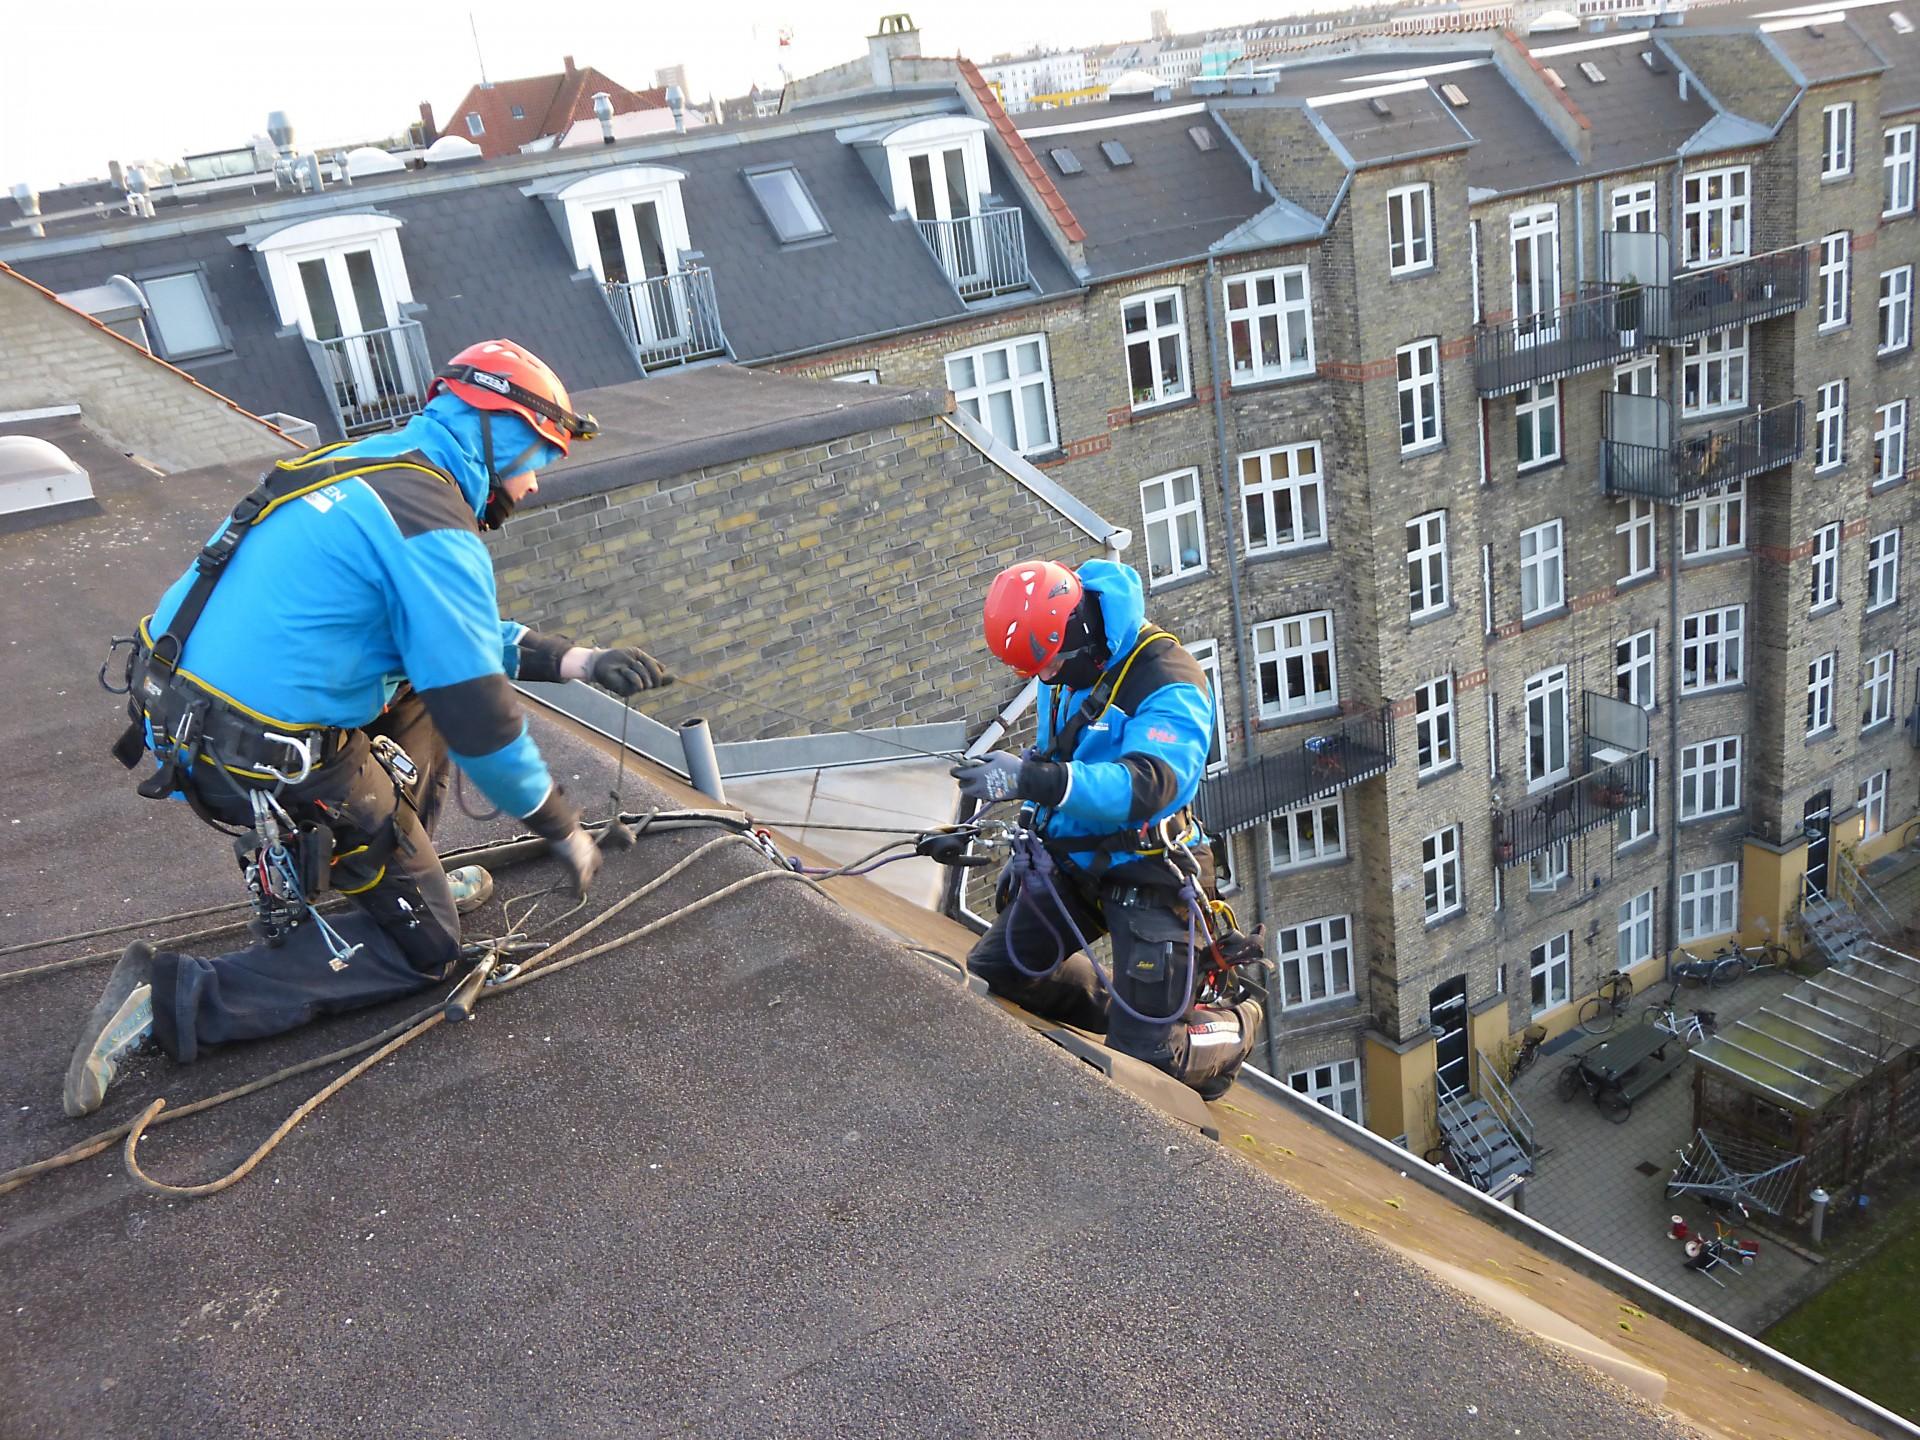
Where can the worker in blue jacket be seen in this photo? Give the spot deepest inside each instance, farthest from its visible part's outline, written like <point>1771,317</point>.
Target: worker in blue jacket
<point>353,644</point>
<point>1124,724</point>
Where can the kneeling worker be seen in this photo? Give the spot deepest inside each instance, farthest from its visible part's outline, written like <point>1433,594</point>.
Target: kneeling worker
<point>1125,718</point>
<point>361,608</point>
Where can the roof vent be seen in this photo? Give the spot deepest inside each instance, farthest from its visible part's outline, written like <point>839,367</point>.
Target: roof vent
<point>1379,106</point>
<point>1816,33</point>
<point>1901,24</point>
<point>1455,95</point>
<point>1653,61</point>
<point>1065,161</point>
<point>1201,136</point>
<point>36,474</point>
<point>1592,72</point>
<point>1553,77</point>
<point>1116,153</point>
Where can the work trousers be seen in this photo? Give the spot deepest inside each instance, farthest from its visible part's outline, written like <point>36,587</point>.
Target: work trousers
<point>405,924</point>
<point>1200,1047</point>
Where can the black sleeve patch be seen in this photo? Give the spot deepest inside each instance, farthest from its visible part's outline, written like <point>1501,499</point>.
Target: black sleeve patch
<point>477,716</point>
<point>540,655</point>
<point>1154,786</point>
<point>421,501</point>
<point>1165,663</point>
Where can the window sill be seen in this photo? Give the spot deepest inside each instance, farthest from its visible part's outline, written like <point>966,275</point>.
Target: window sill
<point>1290,552</point>
<point>1906,214</point>
<point>1038,457</point>
<point>1876,728</point>
<point>1414,622</point>
<point>1838,327</point>
<point>1413,272</point>
<point>1298,717</point>
<point>1633,847</point>
<point>1831,467</point>
<point>1308,865</point>
<point>1718,412</point>
<point>1883,606</point>
<point>1540,467</point>
<point>1827,609</point>
<point>1706,692</point>
<point>1822,736</point>
<point>1439,922</point>
<point>1885,484</point>
<point>1161,407</point>
<point>1896,353</point>
<point>1177,582</point>
<point>1544,617</point>
<point>1634,582</point>
<point>1238,386</point>
<point>1713,557</point>
<point>1427,777</point>
<point>1308,1009</point>
<point>1423,449</point>
<point>1687,820</point>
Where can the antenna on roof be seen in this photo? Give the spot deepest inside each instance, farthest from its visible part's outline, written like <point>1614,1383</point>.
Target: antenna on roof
<point>476,49</point>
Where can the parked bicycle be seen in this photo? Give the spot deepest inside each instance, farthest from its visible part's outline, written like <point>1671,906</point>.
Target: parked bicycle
<point>1692,1026</point>
<point>1722,969</point>
<point>1753,959</point>
<point>1531,1039</point>
<point>1608,1004</point>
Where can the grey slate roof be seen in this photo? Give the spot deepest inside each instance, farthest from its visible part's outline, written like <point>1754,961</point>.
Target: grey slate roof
<point>1417,122</point>
<point>1637,113</point>
<point>1837,52</point>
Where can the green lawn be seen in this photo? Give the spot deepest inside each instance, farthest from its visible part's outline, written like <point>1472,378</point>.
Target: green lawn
<point>1864,1329</point>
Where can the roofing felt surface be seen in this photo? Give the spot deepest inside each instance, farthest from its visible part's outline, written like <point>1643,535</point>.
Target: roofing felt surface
<point>1415,122</point>
<point>1637,113</point>
<point>763,1172</point>
<point>1821,53</point>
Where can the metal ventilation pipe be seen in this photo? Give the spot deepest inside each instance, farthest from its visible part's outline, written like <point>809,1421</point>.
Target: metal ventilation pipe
<point>603,112</point>
<point>28,200</point>
<point>677,103</point>
<point>280,131</point>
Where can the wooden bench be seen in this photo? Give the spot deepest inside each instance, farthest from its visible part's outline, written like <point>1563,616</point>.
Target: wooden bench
<point>1644,1077</point>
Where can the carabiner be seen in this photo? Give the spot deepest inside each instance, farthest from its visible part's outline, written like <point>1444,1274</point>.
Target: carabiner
<point>113,648</point>
<point>298,747</point>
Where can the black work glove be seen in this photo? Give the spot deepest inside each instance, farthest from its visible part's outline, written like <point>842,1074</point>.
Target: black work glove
<point>627,671</point>
<point>581,856</point>
<point>994,776</point>
<point>1250,948</point>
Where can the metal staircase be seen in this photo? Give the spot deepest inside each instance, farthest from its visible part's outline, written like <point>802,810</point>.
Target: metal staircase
<point>1487,1148</point>
<point>1847,915</point>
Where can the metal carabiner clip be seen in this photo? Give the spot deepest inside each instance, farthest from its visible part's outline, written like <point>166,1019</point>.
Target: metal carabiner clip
<point>113,648</point>
<point>298,747</point>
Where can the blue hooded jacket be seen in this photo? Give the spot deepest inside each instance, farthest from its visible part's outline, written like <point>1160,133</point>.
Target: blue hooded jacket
<point>1143,759</point>
<point>338,597</point>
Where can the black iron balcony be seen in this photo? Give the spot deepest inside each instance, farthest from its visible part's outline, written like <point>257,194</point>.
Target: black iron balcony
<point>1641,457</point>
<point>669,319</point>
<point>375,379</point>
<point>1358,748</point>
<point>1601,328</point>
<point>984,255</point>
<point>1719,297</point>
<point>1573,807</point>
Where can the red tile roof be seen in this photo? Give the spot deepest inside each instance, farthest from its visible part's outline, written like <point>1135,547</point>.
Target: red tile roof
<point>1023,156</point>
<point>548,105</point>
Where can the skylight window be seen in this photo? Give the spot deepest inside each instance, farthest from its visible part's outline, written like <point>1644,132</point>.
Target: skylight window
<point>1065,161</point>
<point>1553,75</point>
<point>1901,24</point>
<point>1116,153</point>
<point>1455,95</point>
<point>1592,72</point>
<point>790,209</point>
<point>519,112</point>
<point>1201,136</point>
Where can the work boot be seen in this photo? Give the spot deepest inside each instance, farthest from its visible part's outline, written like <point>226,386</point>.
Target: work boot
<point>1252,1015</point>
<point>120,1024</point>
<point>472,887</point>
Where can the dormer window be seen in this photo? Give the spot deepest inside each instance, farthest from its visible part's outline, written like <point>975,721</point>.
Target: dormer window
<point>938,167</point>
<point>626,225</point>
<point>476,127</point>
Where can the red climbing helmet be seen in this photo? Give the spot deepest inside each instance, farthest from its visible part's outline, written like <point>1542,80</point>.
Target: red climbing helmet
<point>1027,610</point>
<point>503,375</point>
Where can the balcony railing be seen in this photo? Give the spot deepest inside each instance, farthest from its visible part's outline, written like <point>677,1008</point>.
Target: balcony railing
<point>1358,748</point>
<point>669,319</point>
<point>1602,327</point>
<point>1573,807</point>
<point>375,379</point>
<point>984,255</point>
<point>1641,457</point>
<point>1719,297</point>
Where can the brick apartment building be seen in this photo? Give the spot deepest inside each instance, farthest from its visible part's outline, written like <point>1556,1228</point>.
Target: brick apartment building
<point>1518,432</point>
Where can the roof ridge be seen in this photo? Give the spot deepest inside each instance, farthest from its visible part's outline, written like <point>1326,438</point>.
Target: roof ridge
<point>1022,153</point>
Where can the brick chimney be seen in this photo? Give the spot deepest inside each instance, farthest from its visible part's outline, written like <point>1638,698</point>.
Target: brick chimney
<point>428,133</point>
<point>570,69</point>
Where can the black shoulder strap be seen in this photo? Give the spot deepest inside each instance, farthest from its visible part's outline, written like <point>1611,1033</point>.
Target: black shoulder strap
<point>1062,746</point>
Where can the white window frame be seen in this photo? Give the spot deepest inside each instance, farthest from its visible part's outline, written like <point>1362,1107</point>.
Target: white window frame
<point>1536,310</point>
<point>1550,974</point>
<point>1289,316</point>
<point>1636,824</point>
<point>1290,640</point>
<point>1897,160</point>
<point>1890,442</point>
<point>932,138</point>
<point>1710,778</point>
<point>1549,870</point>
<point>1824,568</point>
<point>1836,141</point>
<point>476,124</point>
<point>1297,494</point>
<point>1549,708</point>
<point>1894,315</point>
<point>1876,685</point>
<point>1436,731</point>
<point>1164,522</point>
<point>1335,1085</point>
<point>1440,877</point>
<point>1633,932</point>
<point>1873,805</point>
<point>1410,212</point>
<point>1835,279</point>
<point>1322,817</point>
<point>1634,208</point>
<point>1153,336</point>
<point>1883,570</point>
<point>1830,426</point>
<point>1543,569</point>
<point>1308,958</point>
<point>621,189</point>
<point>1206,654</point>
<point>331,238</point>
<point>1713,641</point>
<point>1820,686</point>
<point>1429,582</point>
<point>1637,554</point>
<point>976,398</point>
<point>1637,377</point>
<point>1536,417</point>
<point>1708,903</point>
<point>1715,522</point>
<point>1712,365</point>
<point>1715,215</point>
<point>1635,668</point>
<point>1417,378</point>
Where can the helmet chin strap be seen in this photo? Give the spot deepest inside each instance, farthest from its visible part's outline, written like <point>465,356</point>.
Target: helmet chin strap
<point>499,507</point>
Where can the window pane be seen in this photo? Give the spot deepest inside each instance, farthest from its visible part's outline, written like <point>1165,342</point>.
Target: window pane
<point>785,200</point>
<point>182,315</point>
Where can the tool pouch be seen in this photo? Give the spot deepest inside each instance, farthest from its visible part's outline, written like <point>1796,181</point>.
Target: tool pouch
<point>316,860</point>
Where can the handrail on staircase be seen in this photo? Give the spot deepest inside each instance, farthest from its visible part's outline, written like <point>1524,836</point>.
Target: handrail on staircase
<point>1495,1091</point>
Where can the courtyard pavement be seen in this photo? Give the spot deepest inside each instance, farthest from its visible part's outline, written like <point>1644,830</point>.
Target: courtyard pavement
<point>1604,1185</point>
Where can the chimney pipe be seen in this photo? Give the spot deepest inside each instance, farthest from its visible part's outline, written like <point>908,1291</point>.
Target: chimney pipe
<point>29,202</point>
<point>116,175</point>
<point>428,133</point>
<point>570,69</point>
<point>603,112</point>
<point>677,103</point>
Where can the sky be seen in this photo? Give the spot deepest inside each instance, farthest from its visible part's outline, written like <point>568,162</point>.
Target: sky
<point>111,79</point>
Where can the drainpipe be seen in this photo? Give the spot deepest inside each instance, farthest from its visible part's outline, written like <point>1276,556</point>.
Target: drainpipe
<point>1229,512</point>
<point>1673,731</point>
